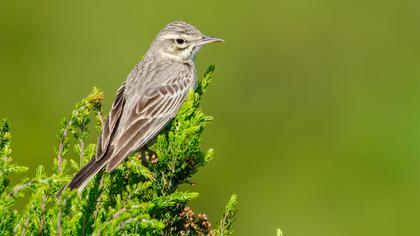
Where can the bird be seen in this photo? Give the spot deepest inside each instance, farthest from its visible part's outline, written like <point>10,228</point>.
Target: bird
<point>149,98</point>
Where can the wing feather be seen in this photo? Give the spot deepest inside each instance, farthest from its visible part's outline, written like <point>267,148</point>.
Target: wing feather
<point>110,124</point>
<point>153,111</point>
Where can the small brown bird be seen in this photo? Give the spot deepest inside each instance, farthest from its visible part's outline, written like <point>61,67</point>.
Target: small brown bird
<point>149,98</point>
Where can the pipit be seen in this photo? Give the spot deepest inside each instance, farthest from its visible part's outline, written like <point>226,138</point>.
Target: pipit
<point>149,98</point>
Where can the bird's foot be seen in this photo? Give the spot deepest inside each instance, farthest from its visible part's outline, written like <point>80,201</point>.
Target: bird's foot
<point>146,154</point>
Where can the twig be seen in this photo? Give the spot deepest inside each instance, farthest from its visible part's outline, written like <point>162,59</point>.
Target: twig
<point>59,219</point>
<point>42,220</point>
<point>29,183</point>
<point>128,221</point>
<point>19,188</point>
<point>61,146</point>
<point>59,223</point>
<point>82,151</point>
<point>118,213</point>
<point>101,184</point>
<point>100,118</point>
<point>223,224</point>
<point>25,226</point>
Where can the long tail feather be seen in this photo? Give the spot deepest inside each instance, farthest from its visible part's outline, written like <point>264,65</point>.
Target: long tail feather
<point>82,178</point>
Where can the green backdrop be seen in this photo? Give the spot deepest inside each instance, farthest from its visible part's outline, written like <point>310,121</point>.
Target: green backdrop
<point>316,103</point>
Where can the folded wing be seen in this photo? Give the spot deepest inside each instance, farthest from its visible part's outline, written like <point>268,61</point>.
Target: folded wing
<point>155,108</point>
<point>110,124</point>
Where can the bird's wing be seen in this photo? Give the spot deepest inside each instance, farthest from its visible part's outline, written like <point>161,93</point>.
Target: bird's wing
<point>155,108</point>
<point>110,124</point>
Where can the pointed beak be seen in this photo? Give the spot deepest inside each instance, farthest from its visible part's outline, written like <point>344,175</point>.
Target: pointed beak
<point>209,39</point>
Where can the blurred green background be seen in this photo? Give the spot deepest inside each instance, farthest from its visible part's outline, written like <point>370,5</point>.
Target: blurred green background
<point>317,103</point>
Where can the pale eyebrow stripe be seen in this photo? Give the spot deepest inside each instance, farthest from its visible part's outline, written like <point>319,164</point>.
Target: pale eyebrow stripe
<point>174,36</point>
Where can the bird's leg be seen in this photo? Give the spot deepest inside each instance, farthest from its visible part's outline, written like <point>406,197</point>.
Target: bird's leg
<point>141,155</point>
<point>146,154</point>
<point>152,156</point>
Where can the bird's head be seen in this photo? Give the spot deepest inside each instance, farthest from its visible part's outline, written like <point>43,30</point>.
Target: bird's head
<point>180,42</point>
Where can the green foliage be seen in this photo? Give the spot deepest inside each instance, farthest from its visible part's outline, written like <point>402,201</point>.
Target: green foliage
<point>139,197</point>
<point>226,223</point>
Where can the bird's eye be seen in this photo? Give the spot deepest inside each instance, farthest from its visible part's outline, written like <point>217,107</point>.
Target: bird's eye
<point>180,41</point>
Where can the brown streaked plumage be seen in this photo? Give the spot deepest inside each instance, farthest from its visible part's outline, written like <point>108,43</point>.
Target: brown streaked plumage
<point>149,98</point>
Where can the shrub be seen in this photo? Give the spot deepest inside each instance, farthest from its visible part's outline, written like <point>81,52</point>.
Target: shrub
<point>140,197</point>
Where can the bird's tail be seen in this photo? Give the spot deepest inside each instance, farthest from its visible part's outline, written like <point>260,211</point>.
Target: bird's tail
<point>82,178</point>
